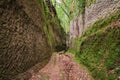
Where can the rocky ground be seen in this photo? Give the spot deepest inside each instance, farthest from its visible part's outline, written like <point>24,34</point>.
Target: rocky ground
<point>61,67</point>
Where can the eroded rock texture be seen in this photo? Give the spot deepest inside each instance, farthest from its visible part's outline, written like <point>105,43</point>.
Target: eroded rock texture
<point>23,40</point>
<point>99,10</point>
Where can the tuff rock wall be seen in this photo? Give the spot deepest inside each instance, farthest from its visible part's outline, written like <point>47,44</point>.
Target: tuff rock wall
<point>96,11</point>
<point>26,36</point>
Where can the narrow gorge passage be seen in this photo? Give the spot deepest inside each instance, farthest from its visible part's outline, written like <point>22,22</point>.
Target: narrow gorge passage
<point>62,67</point>
<point>59,39</point>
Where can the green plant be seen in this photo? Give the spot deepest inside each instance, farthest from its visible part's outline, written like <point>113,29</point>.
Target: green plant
<point>101,24</point>
<point>99,49</point>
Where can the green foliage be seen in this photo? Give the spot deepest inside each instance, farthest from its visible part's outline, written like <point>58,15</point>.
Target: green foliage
<point>101,24</point>
<point>111,77</point>
<point>68,10</point>
<point>117,70</point>
<point>89,2</point>
<point>51,27</point>
<point>99,49</point>
<point>46,26</point>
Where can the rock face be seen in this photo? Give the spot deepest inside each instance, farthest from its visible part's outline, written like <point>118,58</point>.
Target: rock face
<point>99,10</point>
<point>24,36</point>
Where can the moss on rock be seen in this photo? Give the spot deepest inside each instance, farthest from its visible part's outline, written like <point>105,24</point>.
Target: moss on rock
<point>98,49</point>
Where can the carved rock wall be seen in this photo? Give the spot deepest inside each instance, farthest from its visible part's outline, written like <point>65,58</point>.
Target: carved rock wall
<point>23,40</point>
<point>99,10</point>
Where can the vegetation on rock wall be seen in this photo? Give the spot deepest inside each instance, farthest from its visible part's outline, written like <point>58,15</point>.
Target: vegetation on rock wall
<point>30,30</point>
<point>68,10</point>
<point>89,2</point>
<point>102,23</point>
<point>99,48</point>
<point>28,36</point>
<point>52,28</point>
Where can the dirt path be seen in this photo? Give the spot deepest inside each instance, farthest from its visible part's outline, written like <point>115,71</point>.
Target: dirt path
<point>61,67</point>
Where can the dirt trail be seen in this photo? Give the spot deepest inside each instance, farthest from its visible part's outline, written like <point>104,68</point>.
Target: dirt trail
<point>61,67</point>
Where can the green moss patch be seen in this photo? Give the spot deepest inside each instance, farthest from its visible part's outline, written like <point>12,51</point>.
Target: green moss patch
<point>101,24</point>
<point>99,49</point>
